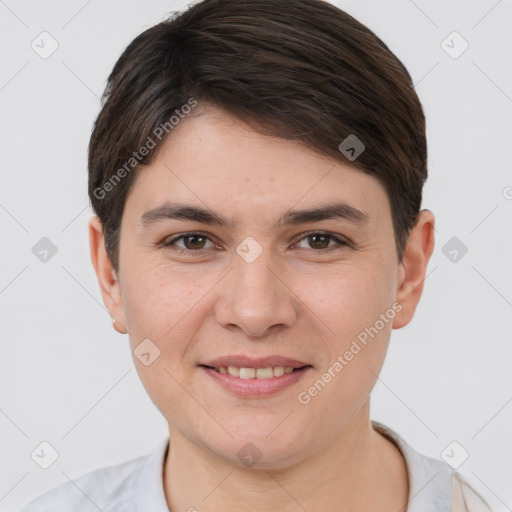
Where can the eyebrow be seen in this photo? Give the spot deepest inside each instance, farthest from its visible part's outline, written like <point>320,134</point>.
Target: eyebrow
<point>180,211</point>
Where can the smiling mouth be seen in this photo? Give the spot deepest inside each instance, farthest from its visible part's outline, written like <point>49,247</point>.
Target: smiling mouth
<point>256,373</point>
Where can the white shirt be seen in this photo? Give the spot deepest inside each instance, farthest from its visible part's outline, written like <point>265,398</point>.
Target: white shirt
<point>137,486</point>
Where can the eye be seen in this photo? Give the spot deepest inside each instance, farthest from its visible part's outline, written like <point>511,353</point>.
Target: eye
<point>192,243</point>
<point>320,240</point>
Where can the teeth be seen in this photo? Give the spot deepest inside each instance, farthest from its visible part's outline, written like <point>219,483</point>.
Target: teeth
<point>247,373</point>
<point>255,373</point>
<point>278,371</point>
<point>264,373</point>
<point>234,371</point>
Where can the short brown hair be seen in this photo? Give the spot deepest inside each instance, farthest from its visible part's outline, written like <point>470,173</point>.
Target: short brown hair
<point>297,69</point>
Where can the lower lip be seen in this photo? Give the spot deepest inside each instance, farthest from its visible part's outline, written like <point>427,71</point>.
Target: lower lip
<point>255,388</point>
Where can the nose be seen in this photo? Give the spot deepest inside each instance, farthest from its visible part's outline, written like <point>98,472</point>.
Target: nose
<point>255,298</point>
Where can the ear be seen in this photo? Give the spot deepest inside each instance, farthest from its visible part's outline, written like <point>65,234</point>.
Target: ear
<point>107,278</point>
<point>413,267</point>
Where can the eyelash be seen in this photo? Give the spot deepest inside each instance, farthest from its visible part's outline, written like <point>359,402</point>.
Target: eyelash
<point>170,243</point>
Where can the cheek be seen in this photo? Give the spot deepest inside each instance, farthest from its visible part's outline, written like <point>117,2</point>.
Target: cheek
<point>157,300</point>
<point>159,306</point>
<point>354,312</point>
<point>349,300</point>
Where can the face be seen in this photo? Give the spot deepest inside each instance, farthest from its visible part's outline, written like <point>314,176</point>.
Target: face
<point>251,283</point>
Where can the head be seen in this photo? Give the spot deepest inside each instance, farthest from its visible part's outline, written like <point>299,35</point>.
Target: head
<point>252,111</point>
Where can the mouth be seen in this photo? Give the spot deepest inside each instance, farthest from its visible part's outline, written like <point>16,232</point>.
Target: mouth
<point>247,377</point>
<point>247,373</point>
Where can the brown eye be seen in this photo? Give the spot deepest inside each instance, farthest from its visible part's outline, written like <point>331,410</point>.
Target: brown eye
<point>188,243</point>
<point>319,241</point>
<point>194,242</point>
<point>322,241</point>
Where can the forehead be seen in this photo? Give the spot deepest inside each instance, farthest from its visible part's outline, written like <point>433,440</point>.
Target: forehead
<point>214,161</point>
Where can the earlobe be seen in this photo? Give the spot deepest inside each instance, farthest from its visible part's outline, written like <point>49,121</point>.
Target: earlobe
<point>106,275</point>
<point>413,267</point>
<point>118,327</point>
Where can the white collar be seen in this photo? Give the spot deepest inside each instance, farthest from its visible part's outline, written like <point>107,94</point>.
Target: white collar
<point>149,492</point>
<point>429,479</point>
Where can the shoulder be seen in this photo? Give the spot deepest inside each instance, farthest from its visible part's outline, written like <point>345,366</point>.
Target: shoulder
<point>433,485</point>
<point>465,498</point>
<point>108,488</point>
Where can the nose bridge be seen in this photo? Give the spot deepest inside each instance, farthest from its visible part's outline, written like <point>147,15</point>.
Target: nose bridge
<point>255,299</point>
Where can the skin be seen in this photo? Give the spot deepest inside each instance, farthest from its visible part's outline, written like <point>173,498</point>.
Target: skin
<point>297,299</point>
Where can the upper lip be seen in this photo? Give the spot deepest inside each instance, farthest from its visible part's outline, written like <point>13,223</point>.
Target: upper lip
<point>254,362</point>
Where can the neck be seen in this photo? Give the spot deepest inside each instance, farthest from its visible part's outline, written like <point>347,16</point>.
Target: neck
<point>361,471</point>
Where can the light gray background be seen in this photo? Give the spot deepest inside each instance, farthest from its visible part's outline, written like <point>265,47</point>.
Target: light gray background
<point>68,378</point>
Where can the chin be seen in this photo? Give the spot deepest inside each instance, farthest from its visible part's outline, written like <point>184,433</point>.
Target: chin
<point>257,449</point>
